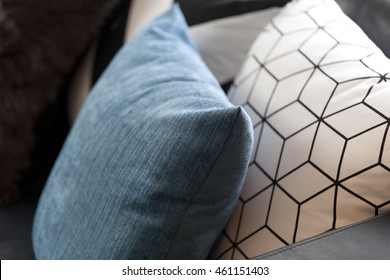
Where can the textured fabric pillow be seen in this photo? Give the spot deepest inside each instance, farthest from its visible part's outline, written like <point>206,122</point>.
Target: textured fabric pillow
<point>154,163</point>
<point>316,89</point>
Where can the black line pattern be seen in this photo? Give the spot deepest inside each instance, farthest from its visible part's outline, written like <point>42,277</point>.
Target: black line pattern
<point>316,90</point>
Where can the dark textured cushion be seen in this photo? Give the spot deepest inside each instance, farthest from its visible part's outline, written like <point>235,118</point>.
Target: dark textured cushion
<point>40,40</point>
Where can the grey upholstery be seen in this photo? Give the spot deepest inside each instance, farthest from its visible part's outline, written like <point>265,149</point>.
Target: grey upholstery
<point>15,231</point>
<point>366,240</point>
<point>198,11</point>
<point>373,17</point>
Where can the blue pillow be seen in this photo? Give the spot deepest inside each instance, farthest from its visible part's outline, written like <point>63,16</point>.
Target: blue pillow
<point>155,162</point>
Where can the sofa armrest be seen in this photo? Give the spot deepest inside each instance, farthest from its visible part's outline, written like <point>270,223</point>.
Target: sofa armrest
<point>369,239</point>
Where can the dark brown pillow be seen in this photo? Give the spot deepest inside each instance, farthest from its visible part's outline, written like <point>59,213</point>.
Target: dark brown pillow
<point>40,41</point>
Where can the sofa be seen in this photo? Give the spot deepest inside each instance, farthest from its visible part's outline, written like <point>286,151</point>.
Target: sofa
<point>367,239</point>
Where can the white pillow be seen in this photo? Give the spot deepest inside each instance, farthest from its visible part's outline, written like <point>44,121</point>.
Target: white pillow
<point>316,89</point>
<point>224,43</point>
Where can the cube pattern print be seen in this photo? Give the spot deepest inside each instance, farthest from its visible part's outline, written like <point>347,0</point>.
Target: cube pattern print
<point>318,93</point>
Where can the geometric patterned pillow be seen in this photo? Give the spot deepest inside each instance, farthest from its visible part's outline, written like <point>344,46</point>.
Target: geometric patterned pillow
<point>316,89</point>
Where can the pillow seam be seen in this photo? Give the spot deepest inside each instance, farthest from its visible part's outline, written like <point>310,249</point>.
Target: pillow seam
<point>173,243</point>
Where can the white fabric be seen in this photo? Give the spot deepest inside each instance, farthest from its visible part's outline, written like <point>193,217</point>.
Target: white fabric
<point>142,12</point>
<point>224,43</point>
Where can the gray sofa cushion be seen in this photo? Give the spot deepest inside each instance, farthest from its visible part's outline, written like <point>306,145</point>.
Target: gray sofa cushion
<point>369,239</point>
<point>373,17</point>
<point>15,231</point>
<point>199,11</point>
